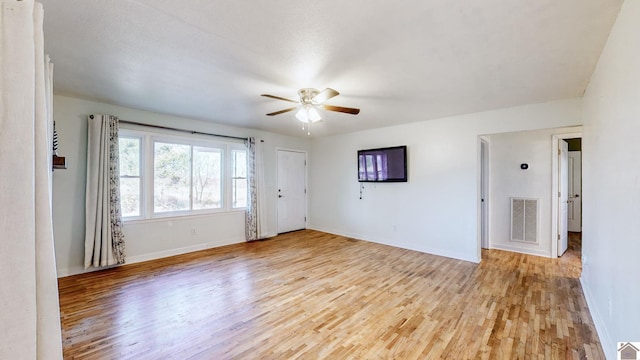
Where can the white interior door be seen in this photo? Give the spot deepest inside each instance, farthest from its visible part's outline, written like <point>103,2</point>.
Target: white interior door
<point>574,219</point>
<point>292,192</point>
<point>484,192</point>
<point>563,190</point>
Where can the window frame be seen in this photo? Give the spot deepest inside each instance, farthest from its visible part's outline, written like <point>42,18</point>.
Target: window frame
<point>147,159</point>
<point>232,148</point>
<point>132,134</point>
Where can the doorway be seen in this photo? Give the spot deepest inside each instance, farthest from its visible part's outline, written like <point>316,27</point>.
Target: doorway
<point>484,194</point>
<point>563,197</point>
<point>567,194</point>
<point>292,190</point>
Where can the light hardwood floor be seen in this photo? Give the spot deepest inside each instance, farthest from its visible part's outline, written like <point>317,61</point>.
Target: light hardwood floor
<point>314,295</point>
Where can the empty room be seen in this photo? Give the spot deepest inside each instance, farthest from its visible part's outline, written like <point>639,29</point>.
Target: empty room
<point>319,180</point>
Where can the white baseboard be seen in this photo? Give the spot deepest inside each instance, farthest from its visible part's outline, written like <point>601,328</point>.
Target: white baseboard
<point>609,347</point>
<point>155,255</point>
<point>180,251</point>
<point>521,250</point>
<point>268,235</point>
<point>73,271</point>
<point>432,251</point>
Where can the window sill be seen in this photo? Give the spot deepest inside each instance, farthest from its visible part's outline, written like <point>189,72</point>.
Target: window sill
<point>181,217</point>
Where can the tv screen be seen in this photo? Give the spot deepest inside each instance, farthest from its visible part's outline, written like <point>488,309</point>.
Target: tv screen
<point>383,165</point>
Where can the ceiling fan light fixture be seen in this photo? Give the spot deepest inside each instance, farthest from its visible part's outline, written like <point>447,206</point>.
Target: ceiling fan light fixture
<point>302,115</point>
<point>314,116</point>
<point>308,113</point>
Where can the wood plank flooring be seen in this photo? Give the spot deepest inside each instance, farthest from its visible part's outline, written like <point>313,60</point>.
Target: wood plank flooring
<point>314,295</point>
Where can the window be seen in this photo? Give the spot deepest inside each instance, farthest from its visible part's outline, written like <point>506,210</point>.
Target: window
<point>183,176</point>
<point>171,177</point>
<point>207,178</point>
<point>130,176</point>
<point>239,178</point>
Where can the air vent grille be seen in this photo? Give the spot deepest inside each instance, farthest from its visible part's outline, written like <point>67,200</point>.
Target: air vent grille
<point>524,220</point>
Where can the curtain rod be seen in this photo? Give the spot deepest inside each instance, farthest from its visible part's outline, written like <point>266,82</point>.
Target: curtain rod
<point>181,130</point>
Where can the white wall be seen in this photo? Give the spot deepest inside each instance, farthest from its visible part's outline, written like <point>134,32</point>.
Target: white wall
<point>153,238</point>
<point>437,210</point>
<point>611,185</point>
<point>507,151</point>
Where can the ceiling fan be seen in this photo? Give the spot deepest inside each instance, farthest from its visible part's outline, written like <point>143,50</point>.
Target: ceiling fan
<point>310,100</point>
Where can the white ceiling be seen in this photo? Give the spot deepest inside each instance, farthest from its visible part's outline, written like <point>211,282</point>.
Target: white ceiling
<point>399,62</point>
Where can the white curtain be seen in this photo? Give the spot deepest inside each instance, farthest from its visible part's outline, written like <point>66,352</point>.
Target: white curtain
<point>256,220</point>
<point>104,241</point>
<point>30,315</point>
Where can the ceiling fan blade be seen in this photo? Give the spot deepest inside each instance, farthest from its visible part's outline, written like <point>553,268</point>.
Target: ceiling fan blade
<point>324,95</point>
<point>347,110</point>
<point>279,98</point>
<point>282,111</point>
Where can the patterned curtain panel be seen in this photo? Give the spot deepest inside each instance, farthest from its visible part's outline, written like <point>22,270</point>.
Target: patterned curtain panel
<point>104,240</point>
<point>251,228</point>
<point>256,224</point>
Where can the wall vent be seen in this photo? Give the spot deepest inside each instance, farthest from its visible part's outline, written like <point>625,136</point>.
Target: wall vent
<point>524,220</point>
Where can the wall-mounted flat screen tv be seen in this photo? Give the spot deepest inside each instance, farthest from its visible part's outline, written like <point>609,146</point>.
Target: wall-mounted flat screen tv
<point>383,165</point>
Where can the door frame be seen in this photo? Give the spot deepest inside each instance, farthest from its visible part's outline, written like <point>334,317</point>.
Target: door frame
<point>479,228</point>
<point>306,184</point>
<point>485,175</point>
<point>555,178</point>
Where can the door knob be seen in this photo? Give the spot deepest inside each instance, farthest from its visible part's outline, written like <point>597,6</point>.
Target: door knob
<point>279,196</point>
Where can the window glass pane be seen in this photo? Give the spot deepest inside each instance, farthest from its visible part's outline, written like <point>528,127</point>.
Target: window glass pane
<point>239,178</point>
<point>239,193</point>
<point>171,177</point>
<point>129,156</point>
<point>130,196</point>
<point>207,178</point>
<point>129,163</point>
<point>239,163</point>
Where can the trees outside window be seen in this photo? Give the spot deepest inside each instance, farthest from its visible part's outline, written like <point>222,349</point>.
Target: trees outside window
<point>130,176</point>
<point>239,178</point>
<point>207,178</point>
